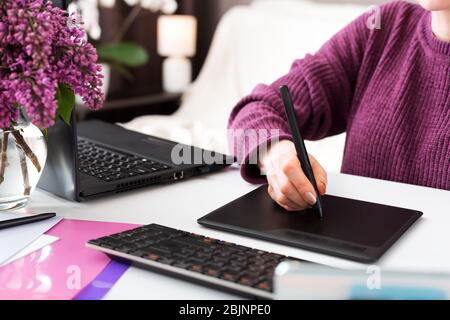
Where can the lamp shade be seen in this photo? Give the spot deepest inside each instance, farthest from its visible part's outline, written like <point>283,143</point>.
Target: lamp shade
<point>177,35</point>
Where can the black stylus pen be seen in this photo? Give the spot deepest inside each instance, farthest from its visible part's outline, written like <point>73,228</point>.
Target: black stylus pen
<point>302,154</point>
<point>25,220</point>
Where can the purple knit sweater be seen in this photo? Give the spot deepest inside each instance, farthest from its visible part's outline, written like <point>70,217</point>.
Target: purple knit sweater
<point>388,88</point>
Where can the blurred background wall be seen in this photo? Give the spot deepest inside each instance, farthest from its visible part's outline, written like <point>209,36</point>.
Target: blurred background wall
<point>147,79</point>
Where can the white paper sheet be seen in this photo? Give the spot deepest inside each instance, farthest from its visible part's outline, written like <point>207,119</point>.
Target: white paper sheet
<point>36,245</point>
<point>15,239</point>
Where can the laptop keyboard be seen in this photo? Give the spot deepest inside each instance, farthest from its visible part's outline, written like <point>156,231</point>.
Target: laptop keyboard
<point>109,165</point>
<point>198,254</point>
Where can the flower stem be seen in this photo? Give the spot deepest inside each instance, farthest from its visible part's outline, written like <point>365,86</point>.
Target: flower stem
<point>24,167</point>
<point>27,150</point>
<point>3,156</point>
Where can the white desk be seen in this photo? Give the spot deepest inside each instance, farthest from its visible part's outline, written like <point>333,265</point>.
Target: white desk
<point>424,247</point>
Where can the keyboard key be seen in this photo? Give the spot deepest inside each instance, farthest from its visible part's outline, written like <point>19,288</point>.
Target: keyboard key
<point>170,246</point>
<point>246,280</point>
<point>139,253</point>
<point>155,254</point>
<point>107,245</point>
<point>212,271</point>
<point>181,255</point>
<point>192,241</point>
<point>264,285</point>
<point>220,261</point>
<point>187,251</point>
<point>125,249</point>
<point>194,260</point>
<point>166,261</point>
<point>203,256</point>
<point>256,268</point>
<point>196,268</point>
<point>234,269</point>
<point>182,264</point>
<point>153,257</point>
<point>141,170</point>
<point>238,263</point>
<point>230,275</point>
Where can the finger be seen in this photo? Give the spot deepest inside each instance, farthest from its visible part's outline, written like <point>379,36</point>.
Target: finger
<point>283,191</point>
<point>273,196</point>
<point>290,191</point>
<point>279,197</point>
<point>320,174</point>
<point>293,170</point>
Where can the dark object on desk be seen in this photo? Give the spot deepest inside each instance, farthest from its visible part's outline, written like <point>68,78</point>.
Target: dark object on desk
<point>302,154</point>
<point>353,229</point>
<point>94,158</point>
<point>25,220</point>
<point>196,258</point>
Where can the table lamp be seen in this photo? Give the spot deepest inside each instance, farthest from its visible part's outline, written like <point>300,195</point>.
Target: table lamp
<point>177,35</point>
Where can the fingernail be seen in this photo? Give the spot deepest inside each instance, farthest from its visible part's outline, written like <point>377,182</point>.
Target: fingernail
<point>310,198</point>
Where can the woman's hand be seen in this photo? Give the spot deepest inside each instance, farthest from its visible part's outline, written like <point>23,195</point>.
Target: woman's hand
<point>288,185</point>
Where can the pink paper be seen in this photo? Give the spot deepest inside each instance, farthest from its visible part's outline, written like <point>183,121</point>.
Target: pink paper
<point>62,269</point>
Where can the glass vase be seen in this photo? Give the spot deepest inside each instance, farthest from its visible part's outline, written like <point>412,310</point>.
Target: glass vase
<point>23,152</point>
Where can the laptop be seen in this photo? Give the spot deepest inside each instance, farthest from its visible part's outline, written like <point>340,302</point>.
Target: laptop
<point>93,158</point>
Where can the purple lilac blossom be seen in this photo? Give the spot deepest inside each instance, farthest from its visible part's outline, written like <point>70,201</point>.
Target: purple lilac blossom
<point>42,47</point>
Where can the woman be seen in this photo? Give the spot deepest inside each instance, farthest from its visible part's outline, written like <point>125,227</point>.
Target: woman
<point>387,87</point>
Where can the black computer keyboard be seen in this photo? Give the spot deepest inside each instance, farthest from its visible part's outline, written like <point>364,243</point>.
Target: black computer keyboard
<point>110,165</point>
<point>196,257</point>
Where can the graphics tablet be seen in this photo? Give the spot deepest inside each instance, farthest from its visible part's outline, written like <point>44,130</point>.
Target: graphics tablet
<point>351,229</point>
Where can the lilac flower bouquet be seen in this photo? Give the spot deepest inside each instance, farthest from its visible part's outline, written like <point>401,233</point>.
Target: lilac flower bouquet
<point>45,60</point>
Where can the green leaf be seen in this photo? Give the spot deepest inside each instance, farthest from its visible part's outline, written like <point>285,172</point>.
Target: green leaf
<point>45,133</point>
<point>124,53</point>
<point>66,102</point>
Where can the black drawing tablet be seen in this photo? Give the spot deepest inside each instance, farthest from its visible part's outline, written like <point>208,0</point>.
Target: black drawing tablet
<point>351,229</point>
